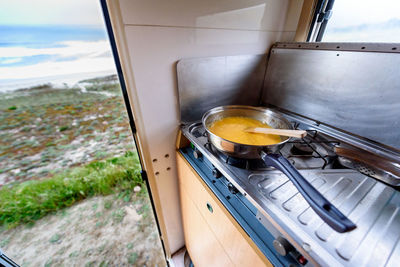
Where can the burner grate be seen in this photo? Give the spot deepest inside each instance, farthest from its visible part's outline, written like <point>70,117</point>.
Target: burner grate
<point>319,152</point>
<point>317,147</point>
<point>247,164</point>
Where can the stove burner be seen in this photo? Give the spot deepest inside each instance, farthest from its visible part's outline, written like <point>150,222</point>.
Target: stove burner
<point>248,164</point>
<point>303,149</point>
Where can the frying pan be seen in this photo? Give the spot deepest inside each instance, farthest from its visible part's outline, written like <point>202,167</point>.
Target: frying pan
<point>268,153</point>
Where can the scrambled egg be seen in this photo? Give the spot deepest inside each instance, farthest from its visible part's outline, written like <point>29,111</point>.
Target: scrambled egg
<point>233,129</point>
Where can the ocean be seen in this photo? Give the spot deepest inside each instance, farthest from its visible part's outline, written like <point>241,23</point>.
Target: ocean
<point>33,55</point>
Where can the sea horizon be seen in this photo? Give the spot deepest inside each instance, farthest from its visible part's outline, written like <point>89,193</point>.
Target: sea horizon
<point>31,55</point>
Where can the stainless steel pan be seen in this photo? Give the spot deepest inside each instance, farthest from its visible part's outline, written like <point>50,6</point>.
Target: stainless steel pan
<point>329,213</point>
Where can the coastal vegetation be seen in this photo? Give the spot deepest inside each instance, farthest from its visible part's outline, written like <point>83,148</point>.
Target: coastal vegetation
<point>31,200</point>
<point>70,183</point>
<point>61,145</point>
<point>45,130</point>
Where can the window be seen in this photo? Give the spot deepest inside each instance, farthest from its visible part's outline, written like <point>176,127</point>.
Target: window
<point>356,21</point>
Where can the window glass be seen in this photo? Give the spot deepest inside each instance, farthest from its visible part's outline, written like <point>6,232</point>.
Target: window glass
<point>364,21</point>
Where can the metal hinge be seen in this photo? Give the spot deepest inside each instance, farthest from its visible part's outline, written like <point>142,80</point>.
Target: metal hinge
<point>143,173</point>
<point>324,16</point>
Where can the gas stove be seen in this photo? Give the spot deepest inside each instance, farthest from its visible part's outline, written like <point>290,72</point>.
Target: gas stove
<point>372,205</point>
<point>315,151</point>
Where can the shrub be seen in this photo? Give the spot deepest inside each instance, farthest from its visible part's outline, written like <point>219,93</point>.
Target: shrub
<point>63,128</point>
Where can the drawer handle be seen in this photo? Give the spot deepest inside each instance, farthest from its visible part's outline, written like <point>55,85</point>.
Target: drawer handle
<point>209,207</point>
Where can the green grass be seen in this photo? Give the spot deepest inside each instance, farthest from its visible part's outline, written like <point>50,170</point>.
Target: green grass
<point>55,238</point>
<point>118,215</point>
<point>28,201</point>
<point>132,258</point>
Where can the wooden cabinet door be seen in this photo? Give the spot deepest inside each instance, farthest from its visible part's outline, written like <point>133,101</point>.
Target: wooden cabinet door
<point>235,242</point>
<point>204,249</point>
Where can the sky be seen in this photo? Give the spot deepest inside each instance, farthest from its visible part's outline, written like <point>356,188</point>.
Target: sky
<point>364,21</point>
<point>60,12</point>
<point>356,12</point>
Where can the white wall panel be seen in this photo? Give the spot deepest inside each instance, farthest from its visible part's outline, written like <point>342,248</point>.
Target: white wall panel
<point>266,15</point>
<point>158,33</point>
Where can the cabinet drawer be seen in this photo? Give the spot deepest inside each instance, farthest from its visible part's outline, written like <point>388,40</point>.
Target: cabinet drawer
<point>236,243</point>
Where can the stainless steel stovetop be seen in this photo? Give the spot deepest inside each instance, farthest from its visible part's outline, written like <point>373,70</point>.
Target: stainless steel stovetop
<point>372,205</point>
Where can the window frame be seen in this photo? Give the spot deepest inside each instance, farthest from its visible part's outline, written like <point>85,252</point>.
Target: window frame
<point>322,14</point>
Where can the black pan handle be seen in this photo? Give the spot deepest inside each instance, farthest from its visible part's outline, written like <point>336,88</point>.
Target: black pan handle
<point>328,213</point>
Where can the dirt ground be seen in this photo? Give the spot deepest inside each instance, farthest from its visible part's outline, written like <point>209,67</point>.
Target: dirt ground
<point>100,231</point>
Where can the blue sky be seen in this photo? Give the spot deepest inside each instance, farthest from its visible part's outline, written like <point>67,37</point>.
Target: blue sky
<point>60,12</point>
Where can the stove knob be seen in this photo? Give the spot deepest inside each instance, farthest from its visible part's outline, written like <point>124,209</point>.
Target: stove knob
<point>232,189</point>
<point>216,173</point>
<point>282,246</point>
<point>197,154</point>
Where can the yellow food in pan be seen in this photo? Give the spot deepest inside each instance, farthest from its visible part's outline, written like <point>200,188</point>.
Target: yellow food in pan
<point>233,129</point>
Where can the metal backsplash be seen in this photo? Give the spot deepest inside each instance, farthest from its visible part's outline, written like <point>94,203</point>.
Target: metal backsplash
<point>205,83</point>
<point>353,87</point>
